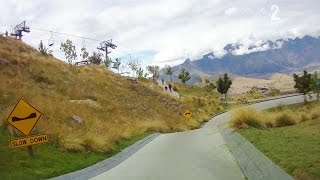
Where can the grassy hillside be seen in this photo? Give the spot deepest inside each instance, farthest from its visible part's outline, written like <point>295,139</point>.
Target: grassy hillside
<point>124,109</point>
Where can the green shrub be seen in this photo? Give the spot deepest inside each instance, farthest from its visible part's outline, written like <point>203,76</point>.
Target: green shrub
<point>274,91</point>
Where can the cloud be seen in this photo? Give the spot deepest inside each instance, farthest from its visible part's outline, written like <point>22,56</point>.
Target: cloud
<point>173,30</point>
<point>231,11</point>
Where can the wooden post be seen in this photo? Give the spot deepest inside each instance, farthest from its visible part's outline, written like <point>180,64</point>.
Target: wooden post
<point>30,151</point>
<point>29,148</point>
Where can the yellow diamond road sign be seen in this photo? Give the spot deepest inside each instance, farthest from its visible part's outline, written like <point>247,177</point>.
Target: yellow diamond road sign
<point>187,114</point>
<point>24,117</point>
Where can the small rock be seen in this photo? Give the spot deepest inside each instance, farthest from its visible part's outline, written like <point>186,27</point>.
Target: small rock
<point>4,62</point>
<point>77,119</point>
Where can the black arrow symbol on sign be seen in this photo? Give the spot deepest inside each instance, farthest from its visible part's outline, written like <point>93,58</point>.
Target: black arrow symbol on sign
<point>32,115</point>
<point>187,113</point>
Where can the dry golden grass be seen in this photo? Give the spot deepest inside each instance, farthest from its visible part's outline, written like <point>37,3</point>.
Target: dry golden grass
<point>279,117</point>
<point>284,119</point>
<point>125,109</point>
<point>246,117</point>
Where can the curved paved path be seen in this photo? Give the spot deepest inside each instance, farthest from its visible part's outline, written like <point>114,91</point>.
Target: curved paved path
<point>198,154</point>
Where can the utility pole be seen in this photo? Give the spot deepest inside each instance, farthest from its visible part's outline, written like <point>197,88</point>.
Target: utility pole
<point>104,45</point>
<point>18,29</point>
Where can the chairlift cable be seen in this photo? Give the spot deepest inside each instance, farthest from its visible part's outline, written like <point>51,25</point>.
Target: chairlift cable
<point>66,34</point>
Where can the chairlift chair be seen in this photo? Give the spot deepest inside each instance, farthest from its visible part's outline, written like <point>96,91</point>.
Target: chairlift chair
<point>50,40</point>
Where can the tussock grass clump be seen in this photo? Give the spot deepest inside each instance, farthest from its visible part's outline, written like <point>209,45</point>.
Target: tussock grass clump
<point>96,143</point>
<point>315,113</point>
<point>284,119</point>
<point>305,117</point>
<point>175,88</point>
<point>246,117</point>
<point>276,117</point>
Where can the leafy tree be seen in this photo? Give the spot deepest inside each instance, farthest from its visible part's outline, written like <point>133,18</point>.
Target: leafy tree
<point>316,85</point>
<point>140,73</point>
<point>303,83</point>
<point>154,70</point>
<point>84,54</point>
<point>207,81</point>
<point>43,49</point>
<point>134,65</point>
<point>169,71</point>
<point>223,85</point>
<point>69,51</point>
<point>117,64</point>
<point>184,76</point>
<point>95,58</point>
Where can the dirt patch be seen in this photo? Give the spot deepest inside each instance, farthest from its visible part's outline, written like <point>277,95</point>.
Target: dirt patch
<point>284,82</point>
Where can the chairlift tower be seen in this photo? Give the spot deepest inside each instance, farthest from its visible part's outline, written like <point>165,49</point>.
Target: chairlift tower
<point>104,45</point>
<point>18,29</point>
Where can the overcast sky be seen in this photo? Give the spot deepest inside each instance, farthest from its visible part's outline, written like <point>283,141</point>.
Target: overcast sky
<point>163,31</point>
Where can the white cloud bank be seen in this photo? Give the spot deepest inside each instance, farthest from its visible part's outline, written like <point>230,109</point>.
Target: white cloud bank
<point>176,30</point>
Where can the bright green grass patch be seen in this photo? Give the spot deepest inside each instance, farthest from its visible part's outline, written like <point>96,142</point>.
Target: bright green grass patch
<point>294,148</point>
<point>49,161</point>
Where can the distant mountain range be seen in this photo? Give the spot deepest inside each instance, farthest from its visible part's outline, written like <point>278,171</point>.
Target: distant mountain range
<point>282,56</point>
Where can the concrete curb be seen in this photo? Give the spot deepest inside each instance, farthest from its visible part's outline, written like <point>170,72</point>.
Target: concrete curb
<point>253,163</point>
<point>274,98</point>
<point>107,164</point>
<point>268,98</point>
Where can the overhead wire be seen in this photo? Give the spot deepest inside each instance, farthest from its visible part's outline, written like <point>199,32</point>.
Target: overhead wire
<point>66,34</point>
<point>60,33</point>
<point>56,32</point>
